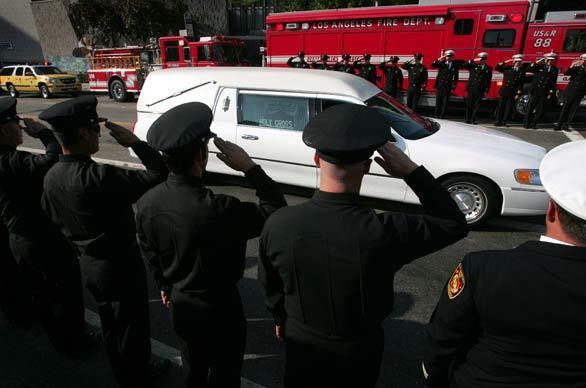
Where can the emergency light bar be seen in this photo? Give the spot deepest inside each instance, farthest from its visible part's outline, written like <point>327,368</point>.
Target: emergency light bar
<point>496,18</point>
<point>292,26</point>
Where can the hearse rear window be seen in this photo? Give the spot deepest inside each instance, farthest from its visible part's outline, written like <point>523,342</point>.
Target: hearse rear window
<point>575,41</point>
<point>498,38</point>
<point>289,113</point>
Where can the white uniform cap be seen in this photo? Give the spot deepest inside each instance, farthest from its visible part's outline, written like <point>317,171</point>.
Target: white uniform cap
<point>450,52</point>
<point>583,56</point>
<point>562,175</point>
<point>518,57</point>
<point>482,55</point>
<point>551,55</point>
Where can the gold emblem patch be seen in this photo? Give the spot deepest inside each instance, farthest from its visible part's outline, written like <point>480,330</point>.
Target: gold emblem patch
<point>456,283</point>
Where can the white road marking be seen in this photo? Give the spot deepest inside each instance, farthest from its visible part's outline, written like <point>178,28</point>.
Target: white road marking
<point>574,136</point>
<point>516,225</point>
<point>161,350</point>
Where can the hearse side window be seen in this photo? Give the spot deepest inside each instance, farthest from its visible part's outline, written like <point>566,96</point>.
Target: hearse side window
<point>7,71</point>
<point>172,51</point>
<point>288,113</point>
<point>463,26</point>
<point>19,71</point>
<point>186,54</point>
<point>575,41</point>
<point>498,38</point>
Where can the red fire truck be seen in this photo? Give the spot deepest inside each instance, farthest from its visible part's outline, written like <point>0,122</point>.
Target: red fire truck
<point>122,71</point>
<point>499,27</point>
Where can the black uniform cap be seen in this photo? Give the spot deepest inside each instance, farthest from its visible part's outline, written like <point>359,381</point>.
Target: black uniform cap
<point>72,114</point>
<point>395,59</point>
<point>180,126</point>
<point>418,55</point>
<point>7,109</point>
<point>347,133</point>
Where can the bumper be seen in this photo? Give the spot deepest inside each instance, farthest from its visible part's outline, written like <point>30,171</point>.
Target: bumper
<point>71,88</point>
<point>524,202</point>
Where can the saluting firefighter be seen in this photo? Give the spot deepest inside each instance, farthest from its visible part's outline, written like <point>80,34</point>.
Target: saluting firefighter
<point>417,74</point>
<point>300,63</point>
<point>393,76</point>
<point>195,242</point>
<point>477,86</point>
<point>514,77</point>
<point>344,65</point>
<point>322,63</point>
<point>543,87</point>
<point>36,243</point>
<point>573,93</point>
<point>92,205</point>
<point>366,69</point>
<point>329,284</point>
<point>446,81</point>
<point>516,317</point>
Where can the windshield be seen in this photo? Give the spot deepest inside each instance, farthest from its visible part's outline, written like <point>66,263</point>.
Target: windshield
<point>44,70</point>
<point>225,54</point>
<point>407,123</point>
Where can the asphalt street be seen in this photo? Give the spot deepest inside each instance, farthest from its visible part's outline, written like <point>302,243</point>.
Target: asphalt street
<point>29,362</point>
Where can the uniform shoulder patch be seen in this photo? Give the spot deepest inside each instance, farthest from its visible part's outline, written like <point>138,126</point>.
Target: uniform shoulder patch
<point>457,282</point>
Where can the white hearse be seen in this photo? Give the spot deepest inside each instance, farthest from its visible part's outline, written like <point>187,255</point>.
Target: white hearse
<point>264,110</point>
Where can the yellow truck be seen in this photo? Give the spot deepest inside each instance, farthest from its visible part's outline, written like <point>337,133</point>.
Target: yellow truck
<point>44,80</point>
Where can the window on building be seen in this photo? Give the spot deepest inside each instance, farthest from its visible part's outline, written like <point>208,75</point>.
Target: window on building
<point>575,41</point>
<point>7,71</point>
<point>19,71</point>
<point>288,113</point>
<point>463,26</point>
<point>203,53</point>
<point>498,38</point>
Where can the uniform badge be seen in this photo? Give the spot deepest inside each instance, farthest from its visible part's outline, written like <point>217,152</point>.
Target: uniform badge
<point>456,283</point>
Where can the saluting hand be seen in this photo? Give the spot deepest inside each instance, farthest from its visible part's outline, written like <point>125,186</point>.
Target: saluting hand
<point>166,298</point>
<point>279,332</point>
<point>123,136</point>
<point>233,155</point>
<point>394,161</point>
<point>33,127</point>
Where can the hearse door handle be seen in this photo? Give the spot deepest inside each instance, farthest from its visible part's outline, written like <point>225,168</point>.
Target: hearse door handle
<point>249,137</point>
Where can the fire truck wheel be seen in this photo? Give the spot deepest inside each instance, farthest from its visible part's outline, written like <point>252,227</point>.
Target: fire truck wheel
<point>477,197</point>
<point>12,90</point>
<point>44,91</point>
<point>118,91</point>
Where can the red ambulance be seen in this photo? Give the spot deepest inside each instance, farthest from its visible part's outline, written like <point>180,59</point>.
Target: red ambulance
<point>499,27</point>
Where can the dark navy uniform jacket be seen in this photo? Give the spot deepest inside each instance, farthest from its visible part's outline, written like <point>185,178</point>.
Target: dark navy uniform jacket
<point>394,78</point>
<point>577,86</point>
<point>544,80</point>
<point>21,187</point>
<point>92,205</point>
<point>512,318</point>
<point>327,265</point>
<point>513,79</point>
<point>479,79</point>
<point>447,75</point>
<point>195,240</point>
<point>417,74</point>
